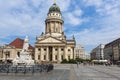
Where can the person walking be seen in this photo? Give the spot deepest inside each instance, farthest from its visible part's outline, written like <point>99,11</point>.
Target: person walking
<point>77,64</point>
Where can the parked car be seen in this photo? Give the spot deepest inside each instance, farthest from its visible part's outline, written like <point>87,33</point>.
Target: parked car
<point>118,63</point>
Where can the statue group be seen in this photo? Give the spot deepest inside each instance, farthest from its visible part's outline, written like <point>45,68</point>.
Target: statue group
<point>24,58</point>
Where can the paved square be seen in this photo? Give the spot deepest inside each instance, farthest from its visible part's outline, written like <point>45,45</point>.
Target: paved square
<point>69,72</point>
<point>97,72</point>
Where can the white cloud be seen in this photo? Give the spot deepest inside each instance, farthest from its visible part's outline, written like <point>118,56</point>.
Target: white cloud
<point>74,18</point>
<point>104,27</point>
<point>64,4</point>
<point>25,17</point>
<point>104,7</point>
<point>93,2</point>
<point>109,31</point>
<point>78,12</point>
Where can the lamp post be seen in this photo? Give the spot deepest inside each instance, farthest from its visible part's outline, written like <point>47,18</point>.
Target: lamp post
<point>6,54</point>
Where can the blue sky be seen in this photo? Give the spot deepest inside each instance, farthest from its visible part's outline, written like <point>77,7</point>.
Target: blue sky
<point>92,22</point>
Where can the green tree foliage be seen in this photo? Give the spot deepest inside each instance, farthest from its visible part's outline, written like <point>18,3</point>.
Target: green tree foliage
<point>64,61</point>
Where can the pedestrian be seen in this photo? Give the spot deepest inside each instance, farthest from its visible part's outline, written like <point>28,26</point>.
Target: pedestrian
<point>77,64</point>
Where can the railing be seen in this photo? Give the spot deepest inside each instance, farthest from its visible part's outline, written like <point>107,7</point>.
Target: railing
<point>7,68</point>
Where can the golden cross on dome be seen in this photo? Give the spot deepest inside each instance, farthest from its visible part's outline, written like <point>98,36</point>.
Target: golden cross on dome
<point>54,1</point>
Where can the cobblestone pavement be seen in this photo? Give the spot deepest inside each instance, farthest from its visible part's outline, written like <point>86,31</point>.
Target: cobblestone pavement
<point>69,72</point>
<point>97,72</point>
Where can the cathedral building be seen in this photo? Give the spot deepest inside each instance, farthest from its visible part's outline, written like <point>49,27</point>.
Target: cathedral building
<point>52,46</point>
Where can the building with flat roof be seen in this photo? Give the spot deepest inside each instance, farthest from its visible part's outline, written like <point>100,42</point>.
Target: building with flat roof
<point>112,50</point>
<point>79,52</point>
<point>98,52</point>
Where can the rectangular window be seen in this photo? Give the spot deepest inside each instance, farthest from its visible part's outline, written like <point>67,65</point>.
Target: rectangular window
<point>56,49</point>
<point>62,49</point>
<point>56,57</point>
<point>8,53</point>
<point>38,57</point>
<point>39,49</point>
<point>45,49</point>
<point>68,57</point>
<point>44,57</point>
<point>61,57</point>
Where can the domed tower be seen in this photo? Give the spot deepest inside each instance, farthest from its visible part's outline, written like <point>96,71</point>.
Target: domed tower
<point>54,22</point>
<point>53,45</point>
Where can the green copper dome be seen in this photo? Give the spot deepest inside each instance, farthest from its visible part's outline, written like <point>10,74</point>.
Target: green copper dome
<point>54,8</point>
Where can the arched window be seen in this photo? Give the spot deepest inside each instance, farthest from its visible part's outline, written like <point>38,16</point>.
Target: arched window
<point>18,54</point>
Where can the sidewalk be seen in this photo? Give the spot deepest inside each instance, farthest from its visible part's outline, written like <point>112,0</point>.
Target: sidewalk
<point>96,72</point>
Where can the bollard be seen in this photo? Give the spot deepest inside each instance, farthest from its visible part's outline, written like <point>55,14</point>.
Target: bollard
<point>33,69</point>
<point>16,69</point>
<point>24,69</point>
<point>7,69</point>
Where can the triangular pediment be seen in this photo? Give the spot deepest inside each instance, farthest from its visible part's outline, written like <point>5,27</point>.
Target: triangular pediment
<point>51,40</point>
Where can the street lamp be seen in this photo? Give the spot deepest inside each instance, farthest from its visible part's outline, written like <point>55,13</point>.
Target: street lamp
<point>6,54</point>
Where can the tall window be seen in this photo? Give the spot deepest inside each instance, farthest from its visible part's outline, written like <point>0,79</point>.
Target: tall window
<point>44,57</point>
<point>56,57</point>
<point>68,57</point>
<point>8,54</point>
<point>44,49</point>
<point>39,49</point>
<point>18,54</point>
<point>56,49</point>
<point>38,57</point>
<point>62,49</point>
<point>61,57</point>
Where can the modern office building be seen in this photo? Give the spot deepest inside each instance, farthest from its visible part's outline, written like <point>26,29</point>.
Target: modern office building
<point>112,50</point>
<point>98,52</point>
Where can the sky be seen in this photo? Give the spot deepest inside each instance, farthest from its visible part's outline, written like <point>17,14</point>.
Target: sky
<point>92,22</point>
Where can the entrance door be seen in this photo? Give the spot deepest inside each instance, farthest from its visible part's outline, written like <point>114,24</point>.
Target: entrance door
<point>50,53</point>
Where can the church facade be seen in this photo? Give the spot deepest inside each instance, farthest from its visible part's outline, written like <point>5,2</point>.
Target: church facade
<point>52,46</point>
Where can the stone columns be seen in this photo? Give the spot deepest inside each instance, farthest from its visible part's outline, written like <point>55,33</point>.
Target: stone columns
<point>47,55</point>
<point>59,24</point>
<point>36,54</point>
<point>66,53</point>
<point>54,27</point>
<point>53,55</point>
<point>50,27</point>
<point>61,28</point>
<point>59,56</point>
<point>42,54</point>
<point>71,54</point>
<point>47,30</point>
